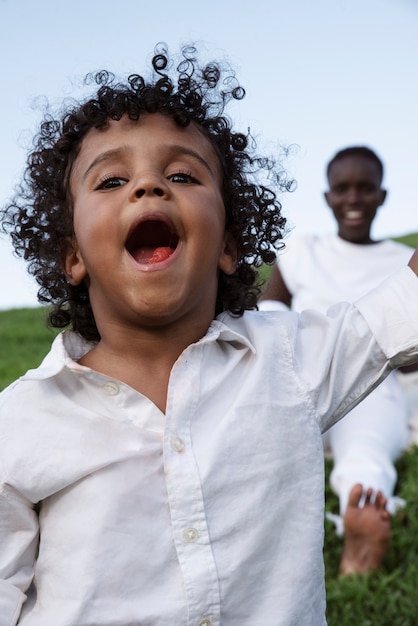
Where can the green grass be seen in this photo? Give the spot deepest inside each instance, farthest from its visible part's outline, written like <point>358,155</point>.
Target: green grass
<point>24,341</point>
<point>409,240</point>
<point>387,598</point>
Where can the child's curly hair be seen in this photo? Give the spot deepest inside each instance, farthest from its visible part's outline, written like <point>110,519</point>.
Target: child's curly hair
<point>39,219</point>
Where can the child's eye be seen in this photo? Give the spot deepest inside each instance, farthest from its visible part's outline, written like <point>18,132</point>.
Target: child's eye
<point>182,177</point>
<point>111,182</point>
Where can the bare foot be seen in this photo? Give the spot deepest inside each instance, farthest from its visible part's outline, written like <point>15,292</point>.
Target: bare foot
<point>366,532</point>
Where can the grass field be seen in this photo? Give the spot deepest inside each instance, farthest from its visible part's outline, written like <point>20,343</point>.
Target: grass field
<point>24,341</point>
<point>388,598</point>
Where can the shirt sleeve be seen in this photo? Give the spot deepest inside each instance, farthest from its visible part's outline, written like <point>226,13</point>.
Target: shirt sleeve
<point>18,544</point>
<point>394,323</point>
<point>342,356</point>
<point>272,305</point>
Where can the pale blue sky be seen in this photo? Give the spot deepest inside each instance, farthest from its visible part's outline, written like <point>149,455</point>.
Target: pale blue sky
<point>319,75</point>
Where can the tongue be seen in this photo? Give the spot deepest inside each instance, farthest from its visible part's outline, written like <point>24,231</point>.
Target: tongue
<point>153,255</point>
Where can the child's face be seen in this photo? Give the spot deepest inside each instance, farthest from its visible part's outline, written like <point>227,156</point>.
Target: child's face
<point>354,196</point>
<point>149,223</point>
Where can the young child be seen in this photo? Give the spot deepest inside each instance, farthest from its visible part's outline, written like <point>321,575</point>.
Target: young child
<point>152,470</point>
<point>315,271</point>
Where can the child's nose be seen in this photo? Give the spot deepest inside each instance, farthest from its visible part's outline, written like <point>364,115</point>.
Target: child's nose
<point>149,184</point>
<point>142,191</point>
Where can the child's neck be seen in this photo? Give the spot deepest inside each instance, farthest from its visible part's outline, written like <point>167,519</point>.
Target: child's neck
<point>142,360</point>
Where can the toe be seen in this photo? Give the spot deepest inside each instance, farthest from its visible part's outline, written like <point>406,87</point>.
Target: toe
<point>355,495</point>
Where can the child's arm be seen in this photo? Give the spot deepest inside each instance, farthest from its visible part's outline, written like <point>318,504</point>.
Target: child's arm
<point>18,544</point>
<point>354,347</point>
<point>413,263</point>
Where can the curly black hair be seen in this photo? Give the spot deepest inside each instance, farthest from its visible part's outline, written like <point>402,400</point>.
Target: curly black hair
<point>39,218</point>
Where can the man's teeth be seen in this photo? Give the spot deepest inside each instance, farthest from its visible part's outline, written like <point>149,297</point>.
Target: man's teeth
<point>354,215</point>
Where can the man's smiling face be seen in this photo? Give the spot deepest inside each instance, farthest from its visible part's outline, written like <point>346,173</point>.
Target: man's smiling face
<point>354,196</point>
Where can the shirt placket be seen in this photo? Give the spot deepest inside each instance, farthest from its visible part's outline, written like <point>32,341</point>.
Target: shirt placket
<point>185,494</point>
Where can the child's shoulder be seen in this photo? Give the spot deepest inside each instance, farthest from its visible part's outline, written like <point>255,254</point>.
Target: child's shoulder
<point>258,328</point>
<point>19,397</point>
<point>66,346</point>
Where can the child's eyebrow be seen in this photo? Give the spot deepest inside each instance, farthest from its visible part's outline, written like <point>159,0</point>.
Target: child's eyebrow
<point>180,149</point>
<point>175,149</point>
<point>108,155</point>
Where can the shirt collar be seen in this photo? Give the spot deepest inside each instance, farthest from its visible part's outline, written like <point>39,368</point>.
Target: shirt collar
<point>230,329</point>
<point>68,347</point>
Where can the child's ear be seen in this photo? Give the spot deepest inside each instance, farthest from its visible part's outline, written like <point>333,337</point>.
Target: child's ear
<point>228,258</point>
<point>74,268</point>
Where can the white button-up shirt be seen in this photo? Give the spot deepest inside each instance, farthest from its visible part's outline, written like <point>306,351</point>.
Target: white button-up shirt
<point>209,515</point>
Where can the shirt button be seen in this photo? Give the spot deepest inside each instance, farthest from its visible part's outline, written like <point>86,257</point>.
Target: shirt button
<point>190,535</point>
<point>111,388</point>
<point>177,444</point>
<point>206,621</point>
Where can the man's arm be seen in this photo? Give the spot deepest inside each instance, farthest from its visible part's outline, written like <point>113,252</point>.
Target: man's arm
<point>276,288</point>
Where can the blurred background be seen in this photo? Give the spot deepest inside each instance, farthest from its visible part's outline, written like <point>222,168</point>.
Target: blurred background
<point>319,76</point>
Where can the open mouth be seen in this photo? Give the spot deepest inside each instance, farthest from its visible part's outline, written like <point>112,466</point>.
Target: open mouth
<point>152,241</point>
